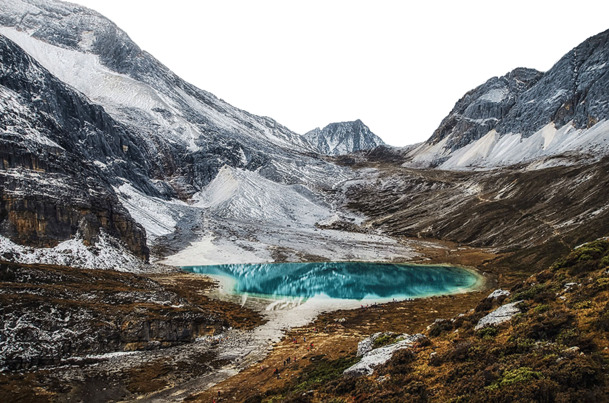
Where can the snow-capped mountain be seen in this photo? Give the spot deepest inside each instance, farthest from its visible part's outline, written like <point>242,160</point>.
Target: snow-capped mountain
<point>526,116</point>
<point>91,54</point>
<point>343,138</point>
<point>98,135</point>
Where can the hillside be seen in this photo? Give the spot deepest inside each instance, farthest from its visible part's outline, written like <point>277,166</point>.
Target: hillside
<point>552,347</point>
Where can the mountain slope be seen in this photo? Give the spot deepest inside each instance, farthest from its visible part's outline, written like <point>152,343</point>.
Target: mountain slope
<point>157,141</point>
<point>343,138</point>
<point>560,116</point>
<point>52,190</point>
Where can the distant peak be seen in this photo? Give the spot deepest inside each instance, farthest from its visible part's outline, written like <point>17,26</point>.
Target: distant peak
<point>343,138</point>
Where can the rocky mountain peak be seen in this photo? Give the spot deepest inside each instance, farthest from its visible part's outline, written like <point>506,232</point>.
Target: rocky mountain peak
<point>527,115</point>
<point>343,138</point>
<point>481,109</point>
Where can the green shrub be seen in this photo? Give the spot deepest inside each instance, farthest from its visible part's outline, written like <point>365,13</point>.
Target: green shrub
<point>518,375</point>
<point>583,304</point>
<point>541,308</point>
<point>385,340</point>
<point>519,345</point>
<point>537,293</point>
<point>602,283</point>
<point>586,258</point>
<point>548,325</point>
<point>440,326</point>
<point>323,371</point>
<point>487,332</point>
<point>602,323</point>
<point>568,337</point>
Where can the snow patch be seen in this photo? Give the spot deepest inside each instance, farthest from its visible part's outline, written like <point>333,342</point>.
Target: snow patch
<point>107,253</point>
<point>246,195</point>
<point>494,150</point>
<point>495,95</point>
<point>86,73</point>
<point>157,216</point>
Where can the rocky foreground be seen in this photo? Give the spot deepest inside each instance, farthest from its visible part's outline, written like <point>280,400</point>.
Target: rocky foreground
<point>100,335</point>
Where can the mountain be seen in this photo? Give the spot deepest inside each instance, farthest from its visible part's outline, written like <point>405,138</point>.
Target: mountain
<point>99,137</point>
<point>343,138</point>
<point>556,117</point>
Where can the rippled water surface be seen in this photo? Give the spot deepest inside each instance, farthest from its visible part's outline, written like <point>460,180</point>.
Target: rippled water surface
<point>343,280</point>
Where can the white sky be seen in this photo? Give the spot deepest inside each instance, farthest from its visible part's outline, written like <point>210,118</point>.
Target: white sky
<point>397,66</point>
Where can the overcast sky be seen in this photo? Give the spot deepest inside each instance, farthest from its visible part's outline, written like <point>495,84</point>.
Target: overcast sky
<point>397,66</point>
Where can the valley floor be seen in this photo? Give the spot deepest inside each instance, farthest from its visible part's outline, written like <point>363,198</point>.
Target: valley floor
<point>227,348</point>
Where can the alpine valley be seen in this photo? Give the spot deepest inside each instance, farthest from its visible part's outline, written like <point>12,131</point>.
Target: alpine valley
<point>115,172</point>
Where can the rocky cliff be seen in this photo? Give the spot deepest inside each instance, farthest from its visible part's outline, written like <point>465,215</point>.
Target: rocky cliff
<point>343,138</point>
<point>51,137</point>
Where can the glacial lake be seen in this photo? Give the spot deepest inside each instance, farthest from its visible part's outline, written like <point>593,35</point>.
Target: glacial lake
<point>341,280</point>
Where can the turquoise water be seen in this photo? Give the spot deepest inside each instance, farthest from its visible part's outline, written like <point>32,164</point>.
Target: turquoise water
<point>343,280</point>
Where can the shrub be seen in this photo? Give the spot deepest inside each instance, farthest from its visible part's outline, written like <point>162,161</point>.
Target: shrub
<point>602,284</point>
<point>602,323</point>
<point>487,332</point>
<point>549,324</point>
<point>518,375</point>
<point>578,372</point>
<point>541,308</point>
<point>583,304</point>
<point>385,340</point>
<point>440,326</point>
<point>323,371</point>
<point>568,337</point>
<point>586,258</point>
<point>400,362</point>
<point>537,293</point>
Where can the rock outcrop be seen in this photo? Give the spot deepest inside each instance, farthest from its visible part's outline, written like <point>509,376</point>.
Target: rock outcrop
<point>93,312</point>
<point>378,356</point>
<point>51,137</point>
<point>500,315</point>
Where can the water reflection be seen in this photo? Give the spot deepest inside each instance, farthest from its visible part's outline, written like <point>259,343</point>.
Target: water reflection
<point>343,280</point>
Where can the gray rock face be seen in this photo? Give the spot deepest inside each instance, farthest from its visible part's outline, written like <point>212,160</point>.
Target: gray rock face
<point>498,293</point>
<point>365,345</point>
<point>574,89</point>
<point>50,137</point>
<point>343,138</point>
<point>484,107</point>
<point>373,358</point>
